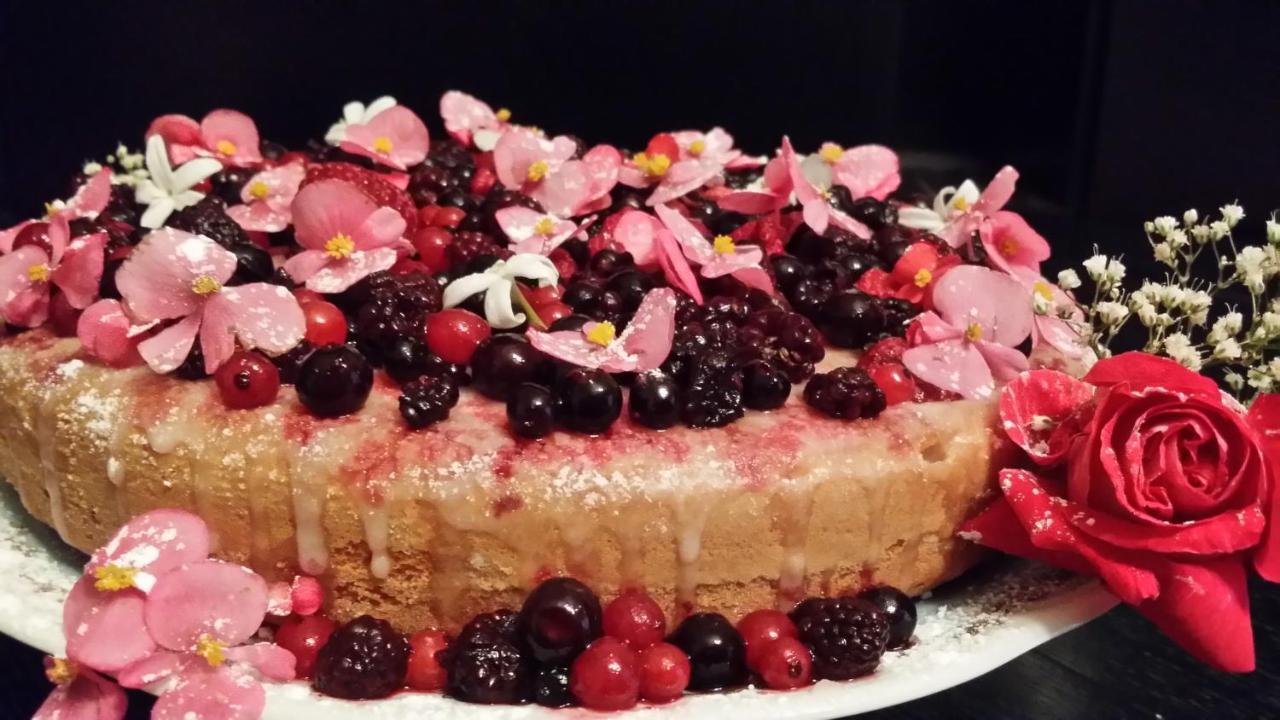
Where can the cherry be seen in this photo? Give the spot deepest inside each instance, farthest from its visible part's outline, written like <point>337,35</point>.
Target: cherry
<point>559,618</point>
<point>304,636</point>
<point>326,325</point>
<point>35,234</point>
<point>454,334</point>
<point>606,676</point>
<point>552,312</point>
<point>432,244</point>
<point>304,296</point>
<point>785,664</point>
<point>247,380</point>
<point>635,619</point>
<point>894,382</point>
<point>425,671</point>
<point>62,317</point>
<point>761,627</point>
<point>664,673</point>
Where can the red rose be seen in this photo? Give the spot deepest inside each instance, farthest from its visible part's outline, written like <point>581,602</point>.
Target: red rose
<point>1155,483</point>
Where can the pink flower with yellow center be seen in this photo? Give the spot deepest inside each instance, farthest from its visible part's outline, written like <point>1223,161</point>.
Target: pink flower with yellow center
<point>227,135</point>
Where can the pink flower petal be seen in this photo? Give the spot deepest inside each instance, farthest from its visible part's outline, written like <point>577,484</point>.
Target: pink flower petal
<point>383,227</point>
<point>259,216</point>
<point>217,337</point>
<point>816,212</point>
<point>637,232</point>
<point>327,208</point>
<point>1005,362</point>
<point>463,114</point>
<point>722,264</point>
<point>263,317</point>
<point>571,346</point>
<point>157,541</point>
<point>751,202</point>
<point>565,189</point>
<point>181,136</point>
<point>602,163</point>
<point>105,630</point>
<point>89,696</point>
<point>649,335</point>
<point>303,266</point>
<point>157,667</point>
<point>282,183</point>
<point>683,178</point>
<point>632,176</point>
<point>105,331</point>
<point>23,301</point>
<point>156,279</point>
<point>229,126</point>
<point>695,247</point>
<point>996,302</point>
<point>397,128</point>
<point>997,193</point>
<point>868,171</point>
<point>674,265</point>
<point>7,236</point>
<point>271,661</point>
<point>212,694</point>
<point>954,365</point>
<point>338,275</point>
<point>80,271</point>
<point>1012,243</point>
<point>169,348</point>
<point>208,597</point>
<point>92,197</point>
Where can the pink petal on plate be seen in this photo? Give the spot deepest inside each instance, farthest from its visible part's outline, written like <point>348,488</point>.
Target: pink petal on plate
<point>23,301</point>
<point>953,365</point>
<point>230,126</point>
<point>463,113</point>
<point>327,208</point>
<point>381,228</point>
<point>181,135</point>
<point>157,667</point>
<point>167,349</point>
<point>92,197</point>
<point>105,630</point>
<point>212,694</point>
<point>564,190</point>
<point>156,279</point>
<point>207,597</point>
<point>649,335</point>
<point>80,271</point>
<point>264,316</point>
<point>338,275</point>
<point>156,541</point>
<point>997,193</point>
<point>868,171</point>
<point>675,267</point>
<point>996,302</point>
<point>271,661</point>
<point>396,137</point>
<point>105,332</point>
<point>89,696</point>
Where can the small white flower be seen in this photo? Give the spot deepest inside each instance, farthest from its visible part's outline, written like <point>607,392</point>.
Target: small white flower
<point>1096,266</point>
<point>1164,253</point>
<point>1234,380</point>
<point>1232,214</point>
<point>1227,326</point>
<point>1273,231</point>
<point>1068,279</point>
<point>129,160</point>
<point>1218,230</point>
<point>1200,233</point>
<point>1112,313</point>
<point>1164,319</point>
<point>1177,238</point>
<point>1149,227</point>
<point>1190,217</point>
<point>1264,379</point>
<point>1251,268</point>
<point>1147,314</point>
<point>497,283</point>
<point>166,188</point>
<point>1179,348</point>
<point>1274,367</point>
<point>948,203</point>
<point>1115,270</point>
<point>1271,324</point>
<point>1228,349</point>
<point>1164,224</point>
<point>356,113</point>
<point>91,168</point>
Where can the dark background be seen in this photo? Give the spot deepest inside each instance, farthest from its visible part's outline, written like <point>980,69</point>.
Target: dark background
<point>1114,111</point>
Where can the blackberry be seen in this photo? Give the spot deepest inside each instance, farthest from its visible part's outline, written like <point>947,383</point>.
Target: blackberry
<point>450,154</point>
<point>845,392</point>
<point>764,387</point>
<point>713,393</point>
<point>428,182</point>
<point>363,659</point>
<point>485,664</point>
<point>427,401</point>
<point>209,218</point>
<point>468,245</point>
<point>847,635</point>
<point>551,687</point>
<point>898,609</point>
<point>852,319</point>
<point>788,340</point>
<point>834,243</point>
<point>228,182</point>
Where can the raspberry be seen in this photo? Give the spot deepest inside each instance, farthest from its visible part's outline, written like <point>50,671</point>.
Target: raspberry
<point>381,192</point>
<point>468,246</point>
<point>664,673</point>
<point>784,664</point>
<point>845,392</point>
<point>304,636</point>
<point>426,673</point>
<point>209,218</point>
<point>847,635</point>
<point>606,676</point>
<point>363,659</point>
<point>428,400</point>
<point>635,619</point>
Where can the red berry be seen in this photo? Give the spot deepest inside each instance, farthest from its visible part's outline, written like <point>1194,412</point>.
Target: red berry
<point>606,676</point>
<point>894,382</point>
<point>635,619</point>
<point>564,263</point>
<point>760,627</point>
<point>539,296</point>
<point>553,312</point>
<point>427,215</point>
<point>304,636</point>
<point>664,673</point>
<point>247,380</point>
<point>432,244</point>
<point>409,266</point>
<point>453,334</point>
<point>888,350</point>
<point>483,181</point>
<point>326,325</point>
<point>35,234</point>
<point>425,671</point>
<point>785,664</point>
<point>663,144</point>
<point>62,317</point>
<point>449,217</point>
<point>304,296</point>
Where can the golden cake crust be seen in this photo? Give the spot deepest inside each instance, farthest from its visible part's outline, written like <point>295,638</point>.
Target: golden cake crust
<point>428,528</point>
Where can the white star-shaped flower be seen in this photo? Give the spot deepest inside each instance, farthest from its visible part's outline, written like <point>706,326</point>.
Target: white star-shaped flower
<point>356,113</point>
<point>497,282</point>
<point>166,188</point>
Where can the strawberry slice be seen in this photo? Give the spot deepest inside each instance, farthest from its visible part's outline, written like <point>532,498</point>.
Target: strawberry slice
<point>381,192</point>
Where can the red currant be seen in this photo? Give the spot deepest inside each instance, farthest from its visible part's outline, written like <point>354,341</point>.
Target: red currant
<point>326,325</point>
<point>406,266</point>
<point>483,181</point>
<point>304,636</point>
<point>304,296</point>
<point>62,317</point>
<point>635,619</point>
<point>760,627</point>
<point>247,380</point>
<point>564,263</point>
<point>432,244</point>
<point>664,673</point>
<point>427,215</point>
<point>449,217</point>
<point>542,295</point>
<point>606,676</point>
<point>425,671</point>
<point>888,350</point>
<point>894,382</point>
<point>35,234</point>
<point>453,334</point>
<point>785,664</point>
<point>553,312</point>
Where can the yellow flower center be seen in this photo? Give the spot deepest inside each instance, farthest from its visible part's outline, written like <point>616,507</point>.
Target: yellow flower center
<point>211,650</point>
<point>340,246</point>
<point>259,190</point>
<point>225,147</point>
<point>1009,246</point>
<point>110,578</point>
<point>382,145</point>
<point>958,202</point>
<point>723,244</point>
<point>50,210</point>
<point>38,273</point>
<point>652,165</point>
<point>697,147</point>
<point>923,277</point>
<point>205,285</point>
<point>830,152</point>
<point>545,226</point>
<point>973,332</point>
<point>1042,289</point>
<point>61,671</point>
<point>602,334</point>
<point>537,170</point>
<point>503,115</point>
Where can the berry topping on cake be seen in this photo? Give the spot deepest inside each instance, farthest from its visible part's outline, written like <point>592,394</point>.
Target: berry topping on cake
<point>717,654</point>
<point>363,659</point>
<point>847,635</point>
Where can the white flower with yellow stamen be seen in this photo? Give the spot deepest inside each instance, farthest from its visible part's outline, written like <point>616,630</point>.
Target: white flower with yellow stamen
<point>497,284</point>
<point>166,188</point>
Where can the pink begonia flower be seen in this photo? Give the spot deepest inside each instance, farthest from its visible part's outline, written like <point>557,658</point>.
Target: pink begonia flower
<point>682,162</point>
<point>80,694</point>
<point>471,121</point>
<point>1012,244</point>
<point>642,346</point>
<point>965,217</point>
<point>174,275</point>
<point>1055,340</point>
<point>344,236</point>
<point>107,333</point>
<point>357,113</point>
<point>227,135</point>
<point>867,171</point>
<point>651,244</point>
<point>102,617</point>
<point>91,198</point>
<point>28,272</point>
<point>715,145</point>
<point>774,195</point>
<point>718,258</point>
<point>268,198</point>
<point>395,137</point>
<point>533,232</point>
<point>967,344</point>
<point>200,615</point>
<point>817,212</point>
<point>546,171</point>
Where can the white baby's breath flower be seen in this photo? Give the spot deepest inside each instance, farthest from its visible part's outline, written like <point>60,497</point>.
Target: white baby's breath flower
<point>1226,326</point>
<point>1190,217</point>
<point>1264,379</point>
<point>1274,367</point>
<point>1232,214</point>
<point>1149,227</point>
<point>1273,231</point>
<point>1147,314</point>
<point>1068,279</point>
<point>1177,238</point>
<point>1178,346</point>
<point>1164,253</point>
<point>1234,380</point>
<point>91,168</point>
<point>1201,234</point>
<point>1251,268</point>
<point>1228,349</point>
<point>1096,266</point>
<point>497,283</point>
<point>1218,230</point>
<point>1164,224</point>
<point>1270,324</point>
<point>1112,313</point>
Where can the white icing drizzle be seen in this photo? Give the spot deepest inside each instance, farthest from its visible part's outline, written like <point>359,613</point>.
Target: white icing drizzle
<point>308,485</point>
<point>796,508</point>
<point>46,442</point>
<point>691,519</point>
<point>375,518</point>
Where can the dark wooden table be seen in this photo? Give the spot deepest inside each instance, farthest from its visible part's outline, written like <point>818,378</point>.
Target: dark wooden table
<point>1115,667</point>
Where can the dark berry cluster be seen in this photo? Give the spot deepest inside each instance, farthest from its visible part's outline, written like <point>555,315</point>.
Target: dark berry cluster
<point>845,392</point>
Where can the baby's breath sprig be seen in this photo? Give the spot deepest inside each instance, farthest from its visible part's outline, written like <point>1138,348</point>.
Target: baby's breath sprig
<point>1179,313</point>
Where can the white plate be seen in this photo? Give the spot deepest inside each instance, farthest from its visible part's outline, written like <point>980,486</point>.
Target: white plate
<point>965,630</point>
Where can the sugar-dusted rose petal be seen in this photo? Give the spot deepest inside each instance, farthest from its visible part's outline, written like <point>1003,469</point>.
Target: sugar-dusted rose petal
<point>23,301</point>
<point>105,331</point>
<point>338,275</point>
<point>105,630</point>
<point>649,335</point>
<point>674,266</point>
<point>167,349</point>
<point>212,694</point>
<point>80,271</point>
<point>156,280</point>
<point>327,208</point>
<point>868,171</point>
<point>181,135</point>
<point>158,667</point>
<point>997,192</point>
<point>994,301</point>
<point>636,231</point>
<point>156,541</point>
<point>1204,607</point>
<point>207,597</point>
<point>1264,418</point>
<point>89,696</point>
<point>1041,412</point>
<point>565,189</point>
<point>92,197</point>
<point>400,128</point>
<point>683,178</point>
<point>1150,369</point>
<point>229,126</point>
<point>264,317</point>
